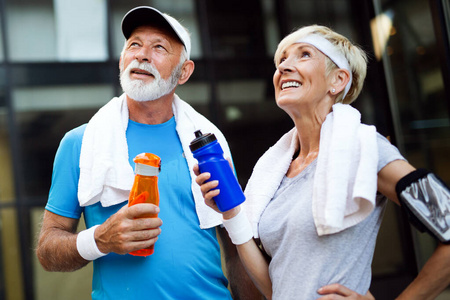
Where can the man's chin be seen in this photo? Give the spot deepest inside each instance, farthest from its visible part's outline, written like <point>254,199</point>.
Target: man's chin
<point>139,98</point>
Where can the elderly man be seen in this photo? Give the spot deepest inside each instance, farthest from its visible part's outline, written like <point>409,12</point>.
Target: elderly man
<point>93,175</point>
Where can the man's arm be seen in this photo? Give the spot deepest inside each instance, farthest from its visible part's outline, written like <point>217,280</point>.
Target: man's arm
<point>121,233</point>
<point>241,285</point>
<point>57,245</point>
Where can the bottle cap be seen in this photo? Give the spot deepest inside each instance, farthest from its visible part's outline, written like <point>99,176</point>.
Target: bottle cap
<point>201,140</point>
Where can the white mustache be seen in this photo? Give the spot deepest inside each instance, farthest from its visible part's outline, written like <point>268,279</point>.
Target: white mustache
<point>148,67</point>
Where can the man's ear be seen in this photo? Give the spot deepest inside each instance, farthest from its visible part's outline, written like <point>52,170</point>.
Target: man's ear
<point>340,79</point>
<point>186,71</point>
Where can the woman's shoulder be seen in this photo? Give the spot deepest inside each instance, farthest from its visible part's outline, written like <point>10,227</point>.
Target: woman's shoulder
<point>387,152</point>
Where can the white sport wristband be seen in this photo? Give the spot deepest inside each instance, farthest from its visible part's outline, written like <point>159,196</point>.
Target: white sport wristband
<point>239,228</point>
<point>86,245</point>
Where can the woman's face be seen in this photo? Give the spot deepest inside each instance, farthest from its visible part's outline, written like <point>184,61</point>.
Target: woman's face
<point>300,76</point>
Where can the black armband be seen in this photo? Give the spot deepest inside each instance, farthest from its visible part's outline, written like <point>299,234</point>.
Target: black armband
<point>426,199</point>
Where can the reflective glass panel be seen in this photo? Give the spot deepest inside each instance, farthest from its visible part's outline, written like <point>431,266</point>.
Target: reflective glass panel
<point>58,30</point>
<point>44,115</point>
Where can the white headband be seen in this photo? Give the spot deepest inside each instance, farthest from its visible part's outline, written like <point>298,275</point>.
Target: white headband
<point>330,50</point>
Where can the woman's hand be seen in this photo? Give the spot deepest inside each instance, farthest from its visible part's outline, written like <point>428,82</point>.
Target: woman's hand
<point>207,188</point>
<point>337,291</point>
<point>209,193</point>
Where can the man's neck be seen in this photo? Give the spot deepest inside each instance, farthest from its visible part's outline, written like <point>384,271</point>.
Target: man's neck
<point>151,112</point>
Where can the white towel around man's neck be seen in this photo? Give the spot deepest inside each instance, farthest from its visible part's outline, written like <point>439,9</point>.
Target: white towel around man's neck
<point>106,175</point>
<point>345,182</point>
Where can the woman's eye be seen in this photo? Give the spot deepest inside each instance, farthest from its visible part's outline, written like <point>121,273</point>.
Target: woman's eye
<point>306,54</point>
<point>282,60</point>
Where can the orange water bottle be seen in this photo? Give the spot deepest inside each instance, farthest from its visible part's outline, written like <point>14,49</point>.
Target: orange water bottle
<point>145,188</point>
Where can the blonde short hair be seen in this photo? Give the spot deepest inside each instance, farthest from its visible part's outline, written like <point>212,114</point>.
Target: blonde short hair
<point>355,56</point>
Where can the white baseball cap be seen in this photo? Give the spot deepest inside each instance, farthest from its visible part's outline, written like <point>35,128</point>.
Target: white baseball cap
<point>142,15</point>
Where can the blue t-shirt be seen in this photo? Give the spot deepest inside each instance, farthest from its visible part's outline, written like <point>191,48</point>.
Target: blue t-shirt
<point>186,263</point>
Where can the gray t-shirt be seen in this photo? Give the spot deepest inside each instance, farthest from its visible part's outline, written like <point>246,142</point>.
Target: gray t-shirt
<point>302,262</point>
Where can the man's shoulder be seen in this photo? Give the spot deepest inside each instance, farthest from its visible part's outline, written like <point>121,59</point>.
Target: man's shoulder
<point>77,132</point>
<point>74,136</point>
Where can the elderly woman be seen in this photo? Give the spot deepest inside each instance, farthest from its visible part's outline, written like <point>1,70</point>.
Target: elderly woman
<point>315,199</point>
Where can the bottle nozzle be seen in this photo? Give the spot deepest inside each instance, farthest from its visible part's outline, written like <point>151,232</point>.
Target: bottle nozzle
<point>201,140</point>
<point>198,133</point>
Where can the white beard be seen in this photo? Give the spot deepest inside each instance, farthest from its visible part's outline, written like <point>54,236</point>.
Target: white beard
<point>138,90</point>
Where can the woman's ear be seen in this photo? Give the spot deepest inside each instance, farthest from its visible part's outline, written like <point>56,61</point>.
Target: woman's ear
<point>339,80</point>
<point>186,71</point>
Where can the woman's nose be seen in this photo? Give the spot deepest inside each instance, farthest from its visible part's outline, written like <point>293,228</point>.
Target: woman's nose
<point>286,66</point>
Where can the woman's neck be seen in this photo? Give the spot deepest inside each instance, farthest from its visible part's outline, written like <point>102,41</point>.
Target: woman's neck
<point>308,132</point>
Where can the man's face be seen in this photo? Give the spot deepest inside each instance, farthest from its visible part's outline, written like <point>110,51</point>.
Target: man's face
<point>150,65</point>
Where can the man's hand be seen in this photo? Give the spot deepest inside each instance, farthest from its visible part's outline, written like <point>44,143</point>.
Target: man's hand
<point>126,231</point>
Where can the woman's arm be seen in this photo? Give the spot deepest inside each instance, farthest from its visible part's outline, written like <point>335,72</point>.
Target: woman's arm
<point>256,266</point>
<point>241,285</point>
<point>390,175</point>
<point>435,275</point>
<point>251,256</point>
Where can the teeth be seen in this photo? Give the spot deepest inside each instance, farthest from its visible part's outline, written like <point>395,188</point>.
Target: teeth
<point>290,84</point>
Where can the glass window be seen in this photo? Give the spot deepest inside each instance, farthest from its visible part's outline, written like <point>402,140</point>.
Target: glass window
<point>59,30</point>
<point>405,42</point>
<point>30,30</point>
<point>2,55</point>
<point>81,30</point>
<point>271,27</point>
<point>446,14</point>
<point>195,92</point>
<point>417,86</point>
<point>335,14</point>
<point>11,264</point>
<point>2,87</point>
<point>44,115</point>
<point>6,172</point>
<point>236,33</point>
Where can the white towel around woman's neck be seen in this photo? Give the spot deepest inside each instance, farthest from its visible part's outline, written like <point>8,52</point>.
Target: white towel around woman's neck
<point>345,182</point>
<point>106,175</point>
<point>267,176</point>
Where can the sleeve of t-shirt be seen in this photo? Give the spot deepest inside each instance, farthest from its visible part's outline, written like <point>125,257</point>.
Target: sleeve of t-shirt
<point>386,152</point>
<point>63,199</point>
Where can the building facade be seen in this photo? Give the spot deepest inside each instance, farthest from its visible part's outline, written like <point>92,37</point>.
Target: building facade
<point>59,64</point>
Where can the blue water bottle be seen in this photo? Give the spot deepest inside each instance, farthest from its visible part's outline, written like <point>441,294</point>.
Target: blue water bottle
<point>210,159</point>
